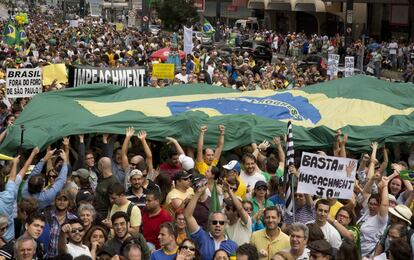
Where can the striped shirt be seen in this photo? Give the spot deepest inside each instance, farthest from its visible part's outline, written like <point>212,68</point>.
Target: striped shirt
<point>302,215</point>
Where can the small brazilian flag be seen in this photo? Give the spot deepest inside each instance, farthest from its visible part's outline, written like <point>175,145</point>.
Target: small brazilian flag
<point>21,36</point>
<point>208,29</point>
<point>9,33</point>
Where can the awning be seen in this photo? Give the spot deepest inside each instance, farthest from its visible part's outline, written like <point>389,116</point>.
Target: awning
<point>257,4</point>
<point>282,5</point>
<point>309,5</point>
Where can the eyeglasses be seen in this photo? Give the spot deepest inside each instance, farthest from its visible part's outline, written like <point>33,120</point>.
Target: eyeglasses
<point>134,164</point>
<point>233,188</point>
<point>248,209</point>
<point>215,222</point>
<point>189,248</point>
<point>77,230</point>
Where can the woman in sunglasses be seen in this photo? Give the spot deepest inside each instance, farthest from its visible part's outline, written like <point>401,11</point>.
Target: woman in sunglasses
<point>188,250</point>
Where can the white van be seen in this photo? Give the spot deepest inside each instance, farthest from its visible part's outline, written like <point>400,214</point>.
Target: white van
<point>250,24</point>
<point>201,37</point>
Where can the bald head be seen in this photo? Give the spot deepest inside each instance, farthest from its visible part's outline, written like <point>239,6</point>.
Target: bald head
<point>105,165</point>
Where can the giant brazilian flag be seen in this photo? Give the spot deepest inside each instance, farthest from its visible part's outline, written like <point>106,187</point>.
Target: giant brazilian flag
<point>366,108</point>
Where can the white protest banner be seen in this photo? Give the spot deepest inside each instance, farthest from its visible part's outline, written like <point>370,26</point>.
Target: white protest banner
<point>73,23</point>
<point>327,176</point>
<point>333,62</point>
<point>23,82</point>
<point>188,40</point>
<point>349,66</point>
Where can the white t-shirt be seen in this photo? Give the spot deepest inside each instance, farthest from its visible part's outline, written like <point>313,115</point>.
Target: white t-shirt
<point>183,78</point>
<point>371,229</point>
<point>76,251</point>
<point>331,235</point>
<point>240,232</point>
<point>250,180</point>
<point>393,47</point>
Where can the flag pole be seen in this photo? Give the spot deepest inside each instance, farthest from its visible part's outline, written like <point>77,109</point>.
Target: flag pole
<point>290,160</point>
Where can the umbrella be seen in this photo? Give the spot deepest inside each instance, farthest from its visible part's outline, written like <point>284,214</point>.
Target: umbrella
<point>164,53</point>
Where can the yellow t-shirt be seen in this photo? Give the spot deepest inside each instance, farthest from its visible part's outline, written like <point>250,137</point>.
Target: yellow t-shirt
<point>261,241</point>
<point>176,194</point>
<point>241,190</point>
<point>135,218</point>
<point>202,167</point>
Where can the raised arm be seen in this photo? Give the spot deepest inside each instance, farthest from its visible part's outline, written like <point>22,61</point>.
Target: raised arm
<point>335,147</point>
<point>192,224</point>
<point>236,203</point>
<point>28,162</point>
<point>129,133</point>
<point>371,166</point>
<point>220,142</point>
<point>384,163</point>
<point>108,145</point>
<point>176,145</point>
<point>142,135</point>
<point>13,171</point>
<point>383,211</point>
<point>66,147</point>
<point>342,146</point>
<point>280,152</point>
<point>200,144</point>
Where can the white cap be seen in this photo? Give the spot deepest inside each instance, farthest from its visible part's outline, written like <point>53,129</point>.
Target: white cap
<point>186,162</point>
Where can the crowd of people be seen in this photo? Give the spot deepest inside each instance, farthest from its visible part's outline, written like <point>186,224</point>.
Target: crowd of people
<point>103,196</point>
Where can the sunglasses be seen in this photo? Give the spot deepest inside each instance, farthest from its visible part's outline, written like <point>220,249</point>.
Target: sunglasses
<point>185,179</point>
<point>215,222</point>
<point>78,230</point>
<point>134,164</point>
<point>262,188</point>
<point>52,176</point>
<point>188,248</point>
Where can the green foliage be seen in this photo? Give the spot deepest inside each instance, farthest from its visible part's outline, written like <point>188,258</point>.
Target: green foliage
<point>175,13</point>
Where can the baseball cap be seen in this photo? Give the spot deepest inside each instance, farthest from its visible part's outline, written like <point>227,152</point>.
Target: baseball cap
<point>320,246</point>
<point>83,173</point>
<point>260,184</point>
<point>181,175</point>
<point>402,212</point>
<point>232,165</point>
<point>136,172</point>
<point>186,162</point>
<point>84,195</point>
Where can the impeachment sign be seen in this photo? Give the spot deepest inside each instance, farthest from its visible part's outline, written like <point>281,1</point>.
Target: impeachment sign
<point>327,176</point>
<point>123,77</point>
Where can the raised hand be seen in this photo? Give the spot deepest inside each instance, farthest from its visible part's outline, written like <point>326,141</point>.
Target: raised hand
<point>221,128</point>
<point>142,135</point>
<point>350,168</point>
<point>129,132</point>
<point>264,145</point>
<point>374,146</point>
<point>203,129</point>
<point>16,160</point>
<point>276,140</point>
<point>66,141</point>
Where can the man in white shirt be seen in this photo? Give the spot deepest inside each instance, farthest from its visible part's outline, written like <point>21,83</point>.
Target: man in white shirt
<point>182,76</point>
<point>250,173</point>
<point>299,234</point>
<point>331,234</point>
<point>239,228</point>
<point>74,232</point>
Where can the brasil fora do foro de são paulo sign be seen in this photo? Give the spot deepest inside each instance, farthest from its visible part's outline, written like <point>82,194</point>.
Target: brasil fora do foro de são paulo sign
<point>327,176</point>
<point>23,82</point>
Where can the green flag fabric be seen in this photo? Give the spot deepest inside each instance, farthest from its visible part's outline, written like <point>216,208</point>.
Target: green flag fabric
<point>9,33</point>
<point>214,200</point>
<point>365,108</point>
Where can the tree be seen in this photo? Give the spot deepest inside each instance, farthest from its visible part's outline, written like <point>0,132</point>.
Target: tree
<point>175,13</point>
